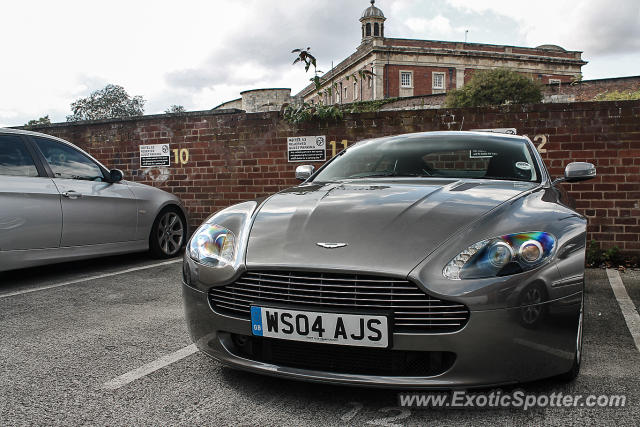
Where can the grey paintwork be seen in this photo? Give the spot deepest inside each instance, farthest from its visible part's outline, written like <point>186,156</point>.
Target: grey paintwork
<point>39,226</point>
<point>410,228</point>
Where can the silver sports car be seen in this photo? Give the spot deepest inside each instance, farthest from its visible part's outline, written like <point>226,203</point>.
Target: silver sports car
<point>443,259</point>
<point>57,203</point>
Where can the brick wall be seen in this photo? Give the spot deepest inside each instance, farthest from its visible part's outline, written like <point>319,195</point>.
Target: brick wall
<point>240,156</point>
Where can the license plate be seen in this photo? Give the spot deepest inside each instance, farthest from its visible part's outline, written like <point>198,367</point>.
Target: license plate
<point>326,328</point>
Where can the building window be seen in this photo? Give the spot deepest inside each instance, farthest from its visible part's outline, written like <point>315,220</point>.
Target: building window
<point>337,96</point>
<point>355,90</point>
<point>376,29</point>
<point>555,82</point>
<point>346,95</point>
<point>406,79</point>
<point>368,29</point>
<point>438,81</point>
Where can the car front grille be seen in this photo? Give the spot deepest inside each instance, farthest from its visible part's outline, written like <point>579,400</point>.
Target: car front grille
<point>412,309</point>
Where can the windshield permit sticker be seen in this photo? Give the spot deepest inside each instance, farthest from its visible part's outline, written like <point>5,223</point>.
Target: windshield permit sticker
<point>524,166</point>
<point>475,153</point>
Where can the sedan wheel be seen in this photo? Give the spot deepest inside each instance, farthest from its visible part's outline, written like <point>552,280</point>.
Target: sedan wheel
<point>167,236</point>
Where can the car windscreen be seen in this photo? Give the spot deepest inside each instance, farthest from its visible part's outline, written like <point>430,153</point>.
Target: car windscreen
<point>479,157</point>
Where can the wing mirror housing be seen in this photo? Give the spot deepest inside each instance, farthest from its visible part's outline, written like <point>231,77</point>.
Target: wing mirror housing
<point>577,171</point>
<point>303,172</point>
<point>115,175</point>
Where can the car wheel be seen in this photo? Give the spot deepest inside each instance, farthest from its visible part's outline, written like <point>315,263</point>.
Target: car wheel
<point>577,359</point>
<point>167,234</point>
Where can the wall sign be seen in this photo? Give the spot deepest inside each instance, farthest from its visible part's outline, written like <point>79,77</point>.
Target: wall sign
<point>155,155</point>
<point>307,148</point>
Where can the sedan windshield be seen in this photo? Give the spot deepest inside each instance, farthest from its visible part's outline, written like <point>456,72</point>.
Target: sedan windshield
<point>436,155</point>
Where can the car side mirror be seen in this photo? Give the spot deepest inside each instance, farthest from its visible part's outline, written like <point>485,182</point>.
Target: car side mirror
<point>303,172</point>
<point>577,171</point>
<point>115,175</point>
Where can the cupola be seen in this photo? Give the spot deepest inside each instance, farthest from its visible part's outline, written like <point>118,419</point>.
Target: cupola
<point>372,22</point>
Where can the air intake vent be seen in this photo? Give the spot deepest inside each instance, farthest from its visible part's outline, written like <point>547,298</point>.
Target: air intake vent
<point>412,309</point>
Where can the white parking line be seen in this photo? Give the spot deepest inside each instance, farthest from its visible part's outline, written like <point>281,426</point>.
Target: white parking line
<point>150,367</point>
<point>85,279</point>
<point>629,311</point>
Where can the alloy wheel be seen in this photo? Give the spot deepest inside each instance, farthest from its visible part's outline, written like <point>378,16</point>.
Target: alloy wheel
<point>170,233</point>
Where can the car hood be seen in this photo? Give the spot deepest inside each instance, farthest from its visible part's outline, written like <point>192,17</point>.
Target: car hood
<point>389,225</point>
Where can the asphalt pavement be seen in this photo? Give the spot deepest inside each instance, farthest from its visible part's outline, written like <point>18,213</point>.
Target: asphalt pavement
<point>68,330</point>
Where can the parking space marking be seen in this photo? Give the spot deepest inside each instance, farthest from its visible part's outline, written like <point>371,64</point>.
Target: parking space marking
<point>150,367</point>
<point>86,279</point>
<point>629,311</point>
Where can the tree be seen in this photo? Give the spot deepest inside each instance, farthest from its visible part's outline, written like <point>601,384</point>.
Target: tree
<point>495,87</point>
<point>41,121</point>
<point>175,109</point>
<point>112,102</point>
<point>305,57</point>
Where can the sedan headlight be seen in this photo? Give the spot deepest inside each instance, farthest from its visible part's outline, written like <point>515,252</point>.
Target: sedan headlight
<point>501,256</point>
<point>213,245</point>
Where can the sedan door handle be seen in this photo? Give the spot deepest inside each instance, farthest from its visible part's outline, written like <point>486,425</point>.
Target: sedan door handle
<point>72,194</point>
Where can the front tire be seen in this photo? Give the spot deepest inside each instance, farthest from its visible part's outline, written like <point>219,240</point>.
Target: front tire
<point>573,373</point>
<point>168,234</point>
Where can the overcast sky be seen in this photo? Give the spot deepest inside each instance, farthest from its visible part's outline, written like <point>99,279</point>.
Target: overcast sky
<point>201,53</point>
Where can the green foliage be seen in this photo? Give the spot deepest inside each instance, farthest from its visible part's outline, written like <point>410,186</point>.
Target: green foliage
<point>596,256</point>
<point>304,57</point>
<point>495,87</point>
<point>295,114</point>
<point>112,102</point>
<point>576,79</point>
<point>618,96</point>
<point>41,121</point>
<point>327,112</point>
<point>368,106</point>
<point>305,112</point>
<point>612,256</point>
<point>175,109</point>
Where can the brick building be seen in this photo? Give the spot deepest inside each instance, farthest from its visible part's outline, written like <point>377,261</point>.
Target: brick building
<point>407,67</point>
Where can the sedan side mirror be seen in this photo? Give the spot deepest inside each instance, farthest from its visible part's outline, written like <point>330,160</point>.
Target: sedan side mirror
<point>303,172</point>
<point>577,171</point>
<point>115,175</point>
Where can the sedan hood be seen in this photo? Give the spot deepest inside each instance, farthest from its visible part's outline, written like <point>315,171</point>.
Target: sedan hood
<point>388,226</point>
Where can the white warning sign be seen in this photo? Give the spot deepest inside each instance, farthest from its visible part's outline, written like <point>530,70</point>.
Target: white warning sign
<point>307,148</point>
<point>155,155</point>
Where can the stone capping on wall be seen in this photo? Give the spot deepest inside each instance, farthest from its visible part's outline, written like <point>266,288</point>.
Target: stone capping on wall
<point>148,117</point>
<point>236,156</point>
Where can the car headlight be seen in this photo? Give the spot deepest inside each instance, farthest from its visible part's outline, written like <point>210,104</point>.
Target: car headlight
<point>501,256</point>
<point>213,245</point>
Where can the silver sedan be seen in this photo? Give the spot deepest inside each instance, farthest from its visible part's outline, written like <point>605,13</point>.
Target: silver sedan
<point>57,203</point>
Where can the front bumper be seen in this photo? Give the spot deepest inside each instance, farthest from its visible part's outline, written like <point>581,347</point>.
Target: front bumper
<point>495,347</point>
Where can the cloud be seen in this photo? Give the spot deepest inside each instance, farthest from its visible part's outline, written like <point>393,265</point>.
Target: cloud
<point>437,27</point>
<point>258,50</point>
<point>597,27</point>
